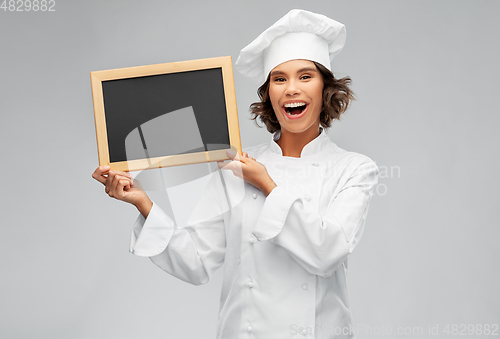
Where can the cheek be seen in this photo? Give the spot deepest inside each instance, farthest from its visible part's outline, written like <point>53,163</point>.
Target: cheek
<point>274,97</point>
<point>318,91</point>
<point>272,94</point>
<point>318,96</point>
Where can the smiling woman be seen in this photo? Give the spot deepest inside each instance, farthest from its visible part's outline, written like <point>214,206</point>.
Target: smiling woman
<point>289,226</point>
<point>336,99</point>
<point>296,94</point>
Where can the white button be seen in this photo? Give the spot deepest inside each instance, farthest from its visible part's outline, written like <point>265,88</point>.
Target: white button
<point>251,240</point>
<point>316,164</point>
<point>260,239</point>
<point>250,284</point>
<point>249,328</point>
<point>304,287</point>
<point>307,197</point>
<point>254,195</point>
<point>303,331</point>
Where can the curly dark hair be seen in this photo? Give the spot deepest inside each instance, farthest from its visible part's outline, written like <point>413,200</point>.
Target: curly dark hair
<point>336,99</point>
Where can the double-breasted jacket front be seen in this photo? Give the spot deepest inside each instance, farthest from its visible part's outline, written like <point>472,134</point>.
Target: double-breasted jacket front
<point>284,255</point>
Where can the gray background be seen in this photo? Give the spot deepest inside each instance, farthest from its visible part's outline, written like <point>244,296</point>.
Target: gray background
<point>426,77</point>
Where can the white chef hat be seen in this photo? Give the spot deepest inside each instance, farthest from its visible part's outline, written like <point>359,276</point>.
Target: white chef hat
<point>298,35</point>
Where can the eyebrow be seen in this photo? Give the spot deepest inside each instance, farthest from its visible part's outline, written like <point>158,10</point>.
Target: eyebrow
<point>305,69</point>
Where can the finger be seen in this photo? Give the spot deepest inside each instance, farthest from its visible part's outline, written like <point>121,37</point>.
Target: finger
<point>234,155</point>
<point>120,188</point>
<point>109,180</point>
<point>115,175</point>
<point>127,182</point>
<point>245,154</point>
<point>122,173</point>
<point>240,158</point>
<point>99,174</point>
<point>235,166</point>
<point>119,183</point>
<point>222,164</point>
<point>112,186</point>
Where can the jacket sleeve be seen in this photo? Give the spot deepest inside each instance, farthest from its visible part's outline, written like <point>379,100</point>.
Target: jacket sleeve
<point>191,253</point>
<point>319,243</point>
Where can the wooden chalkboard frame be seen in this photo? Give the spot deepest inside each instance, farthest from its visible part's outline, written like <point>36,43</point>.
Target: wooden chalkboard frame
<point>97,77</point>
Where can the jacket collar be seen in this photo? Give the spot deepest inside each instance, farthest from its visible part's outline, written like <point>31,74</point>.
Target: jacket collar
<point>313,147</point>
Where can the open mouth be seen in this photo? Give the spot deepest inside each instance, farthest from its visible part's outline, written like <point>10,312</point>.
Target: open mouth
<point>295,108</point>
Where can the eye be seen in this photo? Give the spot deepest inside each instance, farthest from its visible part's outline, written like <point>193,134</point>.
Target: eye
<point>305,77</point>
<point>279,79</point>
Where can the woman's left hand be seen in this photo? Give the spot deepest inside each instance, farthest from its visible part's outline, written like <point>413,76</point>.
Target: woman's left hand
<point>251,171</point>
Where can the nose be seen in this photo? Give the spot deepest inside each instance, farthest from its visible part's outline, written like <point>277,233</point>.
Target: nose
<point>292,88</point>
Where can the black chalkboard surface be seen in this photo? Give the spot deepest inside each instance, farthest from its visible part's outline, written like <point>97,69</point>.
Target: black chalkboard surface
<point>165,115</point>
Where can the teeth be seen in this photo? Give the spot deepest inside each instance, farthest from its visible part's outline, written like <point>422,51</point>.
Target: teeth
<point>295,104</point>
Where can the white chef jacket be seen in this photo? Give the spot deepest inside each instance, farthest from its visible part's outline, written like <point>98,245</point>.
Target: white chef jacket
<point>285,254</point>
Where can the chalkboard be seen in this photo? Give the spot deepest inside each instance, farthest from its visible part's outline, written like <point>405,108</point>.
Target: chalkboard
<point>165,115</point>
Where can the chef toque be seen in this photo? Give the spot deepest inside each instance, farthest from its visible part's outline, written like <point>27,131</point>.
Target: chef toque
<point>298,35</point>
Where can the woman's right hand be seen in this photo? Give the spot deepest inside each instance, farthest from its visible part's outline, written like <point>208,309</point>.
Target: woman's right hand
<point>121,186</point>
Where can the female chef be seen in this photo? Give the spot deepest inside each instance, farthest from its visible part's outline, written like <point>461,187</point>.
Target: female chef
<point>303,206</point>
